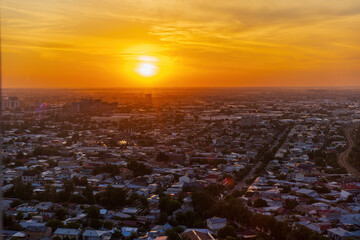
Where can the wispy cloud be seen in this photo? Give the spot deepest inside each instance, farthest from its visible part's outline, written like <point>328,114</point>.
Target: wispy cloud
<point>208,37</point>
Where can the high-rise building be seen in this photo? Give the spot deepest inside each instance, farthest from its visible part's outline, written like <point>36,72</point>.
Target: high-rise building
<point>90,105</point>
<point>11,103</point>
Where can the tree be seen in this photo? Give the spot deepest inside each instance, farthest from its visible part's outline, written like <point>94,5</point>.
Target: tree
<point>321,189</point>
<point>108,168</point>
<point>96,224</point>
<point>62,196</point>
<point>93,212</point>
<point>112,198</point>
<point>117,235</point>
<point>83,181</point>
<point>215,189</point>
<point>61,214</point>
<point>52,163</point>
<point>168,205</point>
<point>62,134</point>
<point>189,218</point>
<point>202,200</point>
<point>227,231</point>
<point>19,216</point>
<point>302,232</point>
<point>18,163</point>
<point>173,234</point>
<point>163,218</point>
<point>237,193</point>
<point>319,161</point>
<point>69,187</point>
<point>47,151</point>
<point>268,156</point>
<point>77,198</point>
<point>73,225</point>
<point>54,224</point>
<point>138,169</point>
<point>75,137</point>
<point>285,189</point>
<point>88,194</point>
<point>259,203</point>
<point>134,197</point>
<point>20,190</point>
<point>290,204</point>
<point>108,225</point>
<point>15,203</point>
<point>20,155</point>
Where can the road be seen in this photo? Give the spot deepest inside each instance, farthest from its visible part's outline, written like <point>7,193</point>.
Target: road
<point>243,183</point>
<point>239,186</point>
<point>342,157</point>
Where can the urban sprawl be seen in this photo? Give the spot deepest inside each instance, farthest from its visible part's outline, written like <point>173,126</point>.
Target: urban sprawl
<point>168,165</point>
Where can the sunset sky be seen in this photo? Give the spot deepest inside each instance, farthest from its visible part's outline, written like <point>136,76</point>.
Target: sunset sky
<point>179,43</point>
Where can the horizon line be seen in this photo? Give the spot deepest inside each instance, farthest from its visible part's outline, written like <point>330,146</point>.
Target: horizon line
<point>178,87</point>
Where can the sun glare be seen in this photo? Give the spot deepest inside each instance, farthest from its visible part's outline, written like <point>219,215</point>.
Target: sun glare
<point>146,67</point>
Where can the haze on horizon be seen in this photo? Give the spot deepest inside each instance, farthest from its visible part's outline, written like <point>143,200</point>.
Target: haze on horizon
<point>179,43</point>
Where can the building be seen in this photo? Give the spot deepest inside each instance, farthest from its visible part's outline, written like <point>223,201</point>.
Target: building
<point>68,232</point>
<point>215,223</point>
<point>37,232</point>
<point>96,235</point>
<point>91,106</point>
<point>197,235</point>
<point>64,163</point>
<point>29,177</point>
<point>176,157</point>
<point>11,103</point>
<point>249,120</point>
<point>184,179</point>
<point>341,234</point>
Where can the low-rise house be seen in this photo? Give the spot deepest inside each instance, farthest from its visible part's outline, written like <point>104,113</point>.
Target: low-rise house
<point>130,210</point>
<point>215,223</point>
<point>159,230</point>
<point>155,212</point>
<point>37,232</point>
<point>68,232</point>
<point>153,199</point>
<point>341,234</point>
<point>307,192</point>
<point>44,206</point>
<point>29,177</point>
<point>197,235</point>
<point>127,231</point>
<point>8,234</point>
<point>212,178</point>
<point>31,223</point>
<point>185,179</point>
<point>96,235</point>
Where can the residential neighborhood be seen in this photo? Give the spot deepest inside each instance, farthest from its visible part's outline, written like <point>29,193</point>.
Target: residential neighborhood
<point>203,167</point>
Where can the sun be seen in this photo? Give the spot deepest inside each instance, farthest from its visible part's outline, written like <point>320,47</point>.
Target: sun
<point>146,66</point>
<point>146,69</point>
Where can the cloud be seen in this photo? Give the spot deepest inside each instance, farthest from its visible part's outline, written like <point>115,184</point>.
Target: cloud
<point>217,36</point>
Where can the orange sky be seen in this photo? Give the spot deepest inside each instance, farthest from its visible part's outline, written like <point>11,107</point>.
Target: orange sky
<point>196,43</point>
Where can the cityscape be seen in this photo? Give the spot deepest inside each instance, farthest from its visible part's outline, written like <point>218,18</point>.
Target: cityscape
<point>242,163</point>
<point>180,120</point>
